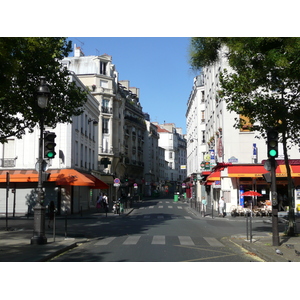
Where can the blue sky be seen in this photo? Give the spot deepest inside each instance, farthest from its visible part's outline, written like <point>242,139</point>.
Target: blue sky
<point>158,66</point>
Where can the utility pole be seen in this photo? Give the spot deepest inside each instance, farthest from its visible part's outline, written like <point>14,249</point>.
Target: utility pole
<point>272,144</point>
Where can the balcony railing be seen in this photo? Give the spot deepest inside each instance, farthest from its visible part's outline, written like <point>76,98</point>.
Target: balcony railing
<point>106,110</point>
<point>8,162</point>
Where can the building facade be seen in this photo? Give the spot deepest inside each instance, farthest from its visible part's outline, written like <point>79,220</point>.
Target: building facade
<point>69,173</point>
<point>233,159</point>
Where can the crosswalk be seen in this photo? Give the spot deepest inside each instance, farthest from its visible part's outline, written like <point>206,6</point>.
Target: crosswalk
<point>158,217</point>
<point>161,206</point>
<point>160,240</point>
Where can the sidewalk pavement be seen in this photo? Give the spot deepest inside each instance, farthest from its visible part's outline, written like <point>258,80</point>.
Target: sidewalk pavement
<point>15,239</point>
<point>261,243</point>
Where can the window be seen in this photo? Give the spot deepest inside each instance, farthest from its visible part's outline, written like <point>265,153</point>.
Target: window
<point>105,125</point>
<point>103,66</point>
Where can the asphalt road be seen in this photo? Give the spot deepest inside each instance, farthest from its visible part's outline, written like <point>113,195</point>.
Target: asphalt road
<point>159,231</point>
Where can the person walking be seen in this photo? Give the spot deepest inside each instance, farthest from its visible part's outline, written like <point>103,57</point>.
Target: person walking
<point>99,200</point>
<point>203,206</point>
<point>221,207</point>
<point>105,202</point>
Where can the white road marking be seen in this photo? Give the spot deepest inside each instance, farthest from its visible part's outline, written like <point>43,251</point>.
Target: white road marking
<point>132,240</point>
<point>213,242</point>
<point>158,240</point>
<point>185,240</point>
<point>105,241</point>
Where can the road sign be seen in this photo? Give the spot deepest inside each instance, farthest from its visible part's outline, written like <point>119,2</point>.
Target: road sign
<point>117,180</point>
<point>135,185</point>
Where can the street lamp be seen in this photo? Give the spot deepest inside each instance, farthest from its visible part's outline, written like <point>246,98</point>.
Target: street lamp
<point>43,94</point>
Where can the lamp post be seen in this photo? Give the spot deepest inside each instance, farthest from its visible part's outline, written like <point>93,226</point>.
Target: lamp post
<point>43,94</point>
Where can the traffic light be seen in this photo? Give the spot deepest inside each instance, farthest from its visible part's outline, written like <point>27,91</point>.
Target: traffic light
<point>49,144</point>
<point>272,142</point>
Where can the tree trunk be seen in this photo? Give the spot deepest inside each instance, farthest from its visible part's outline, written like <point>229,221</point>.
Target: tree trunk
<point>291,226</point>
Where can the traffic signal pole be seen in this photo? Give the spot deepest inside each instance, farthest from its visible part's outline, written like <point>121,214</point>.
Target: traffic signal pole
<point>274,204</point>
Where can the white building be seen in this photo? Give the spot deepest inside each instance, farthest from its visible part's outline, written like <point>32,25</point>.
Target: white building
<point>233,156</point>
<point>76,156</point>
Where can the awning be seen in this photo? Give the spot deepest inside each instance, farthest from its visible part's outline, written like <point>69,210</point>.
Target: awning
<point>20,175</point>
<point>214,176</point>
<point>246,171</point>
<point>69,177</point>
<point>99,184</point>
<point>255,171</point>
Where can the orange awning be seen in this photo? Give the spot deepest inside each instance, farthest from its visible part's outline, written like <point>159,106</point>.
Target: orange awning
<point>214,176</point>
<point>20,175</point>
<point>69,177</point>
<point>99,184</point>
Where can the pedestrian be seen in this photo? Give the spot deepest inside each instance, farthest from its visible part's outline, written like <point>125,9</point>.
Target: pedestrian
<point>51,209</point>
<point>203,204</point>
<point>105,202</point>
<point>99,200</point>
<point>221,207</point>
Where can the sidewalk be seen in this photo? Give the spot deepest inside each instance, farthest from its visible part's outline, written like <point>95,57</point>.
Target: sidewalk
<point>15,239</point>
<point>261,243</point>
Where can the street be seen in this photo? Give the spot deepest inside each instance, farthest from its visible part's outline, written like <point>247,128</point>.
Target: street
<point>159,231</point>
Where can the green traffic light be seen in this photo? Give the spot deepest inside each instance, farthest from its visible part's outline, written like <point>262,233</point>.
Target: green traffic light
<point>50,154</point>
<point>272,153</point>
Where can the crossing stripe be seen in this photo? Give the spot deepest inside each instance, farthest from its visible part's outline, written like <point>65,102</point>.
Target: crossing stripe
<point>185,240</point>
<point>180,207</point>
<point>105,241</point>
<point>146,216</point>
<point>132,240</point>
<point>161,206</point>
<point>151,206</point>
<point>160,217</point>
<point>188,217</point>
<point>170,206</point>
<point>158,240</point>
<point>213,242</point>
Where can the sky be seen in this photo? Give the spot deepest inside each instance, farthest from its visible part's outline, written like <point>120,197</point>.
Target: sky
<point>158,66</point>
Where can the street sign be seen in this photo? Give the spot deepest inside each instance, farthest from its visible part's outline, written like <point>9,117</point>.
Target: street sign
<point>117,180</point>
<point>135,185</point>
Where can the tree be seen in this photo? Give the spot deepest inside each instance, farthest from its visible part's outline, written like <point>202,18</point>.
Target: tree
<point>264,86</point>
<point>22,62</point>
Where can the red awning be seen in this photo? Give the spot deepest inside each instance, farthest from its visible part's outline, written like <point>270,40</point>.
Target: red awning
<point>99,184</point>
<point>214,176</point>
<point>255,171</point>
<point>246,171</point>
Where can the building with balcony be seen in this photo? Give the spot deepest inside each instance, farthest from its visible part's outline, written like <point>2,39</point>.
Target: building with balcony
<point>231,160</point>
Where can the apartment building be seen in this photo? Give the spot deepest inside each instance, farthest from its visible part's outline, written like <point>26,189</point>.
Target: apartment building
<point>70,172</point>
<point>231,160</point>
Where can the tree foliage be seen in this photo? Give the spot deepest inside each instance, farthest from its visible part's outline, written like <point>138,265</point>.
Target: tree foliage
<point>22,62</point>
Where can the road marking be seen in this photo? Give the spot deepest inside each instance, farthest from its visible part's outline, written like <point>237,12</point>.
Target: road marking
<point>160,217</point>
<point>185,240</point>
<point>213,242</point>
<point>167,201</point>
<point>187,217</point>
<point>170,206</point>
<point>132,240</point>
<point>146,216</point>
<point>180,207</point>
<point>141,207</point>
<point>105,241</point>
<point>151,206</point>
<point>158,240</point>
<point>161,206</point>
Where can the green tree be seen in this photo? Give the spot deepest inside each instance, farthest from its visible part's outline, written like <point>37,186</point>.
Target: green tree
<point>22,62</point>
<point>263,85</point>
